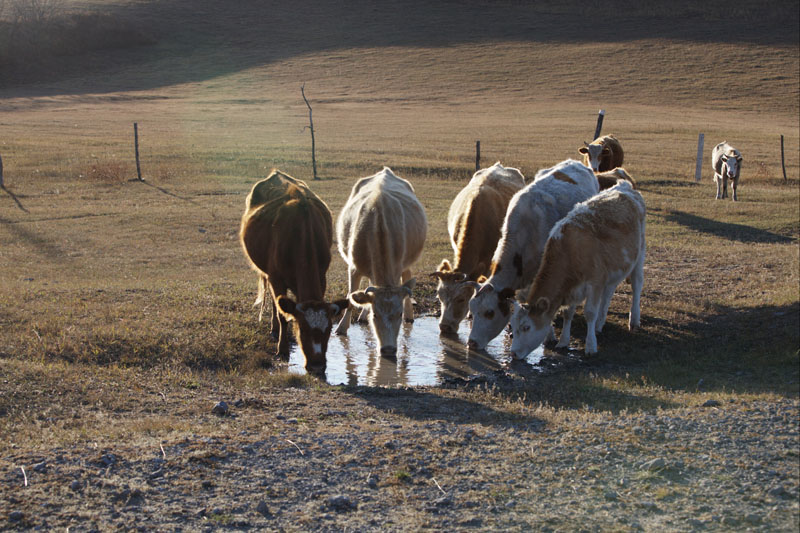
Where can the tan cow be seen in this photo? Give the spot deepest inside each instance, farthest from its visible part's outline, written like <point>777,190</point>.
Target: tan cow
<point>474,223</point>
<point>286,234</point>
<point>381,231</point>
<point>531,213</point>
<point>604,153</point>
<point>608,179</point>
<point>589,252</point>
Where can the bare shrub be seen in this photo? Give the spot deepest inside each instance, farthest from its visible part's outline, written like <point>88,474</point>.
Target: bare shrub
<point>108,172</point>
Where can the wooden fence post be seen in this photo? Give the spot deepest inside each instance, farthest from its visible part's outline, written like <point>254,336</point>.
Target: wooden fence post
<point>783,164</point>
<point>477,156</point>
<point>600,115</point>
<point>2,186</point>
<point>698,169</point>
<point>136,147</point>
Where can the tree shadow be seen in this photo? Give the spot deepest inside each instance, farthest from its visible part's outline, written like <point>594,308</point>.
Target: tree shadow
<point>727,230</point>
<point>43,245</point>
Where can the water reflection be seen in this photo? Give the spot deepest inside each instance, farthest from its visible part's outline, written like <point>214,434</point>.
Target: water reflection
<point>423,356</point>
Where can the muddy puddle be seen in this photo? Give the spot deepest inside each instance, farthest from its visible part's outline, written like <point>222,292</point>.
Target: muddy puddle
<point>423,356</point>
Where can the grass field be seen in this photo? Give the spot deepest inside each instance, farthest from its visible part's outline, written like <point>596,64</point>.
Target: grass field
<point>131,284</point>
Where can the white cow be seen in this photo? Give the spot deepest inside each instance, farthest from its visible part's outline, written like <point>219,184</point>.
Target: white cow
<point>589,252</point>
<point>531,214</point>
<point>727,163</point>
<point>381,231</point>
<point>474,222</point>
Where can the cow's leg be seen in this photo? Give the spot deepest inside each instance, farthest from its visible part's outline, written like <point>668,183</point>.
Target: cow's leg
<point>408,302</point>
<point>363,315</point>
<point>264,294</point>
<point>637,280</point>
<point>725,186</point>
<point>591,310</point>
<point>734,183</point>
<point>718,182</point>
<point>353,281</point>
<point>563,341</point>
<point>608,293</point>
<point>278,289</point>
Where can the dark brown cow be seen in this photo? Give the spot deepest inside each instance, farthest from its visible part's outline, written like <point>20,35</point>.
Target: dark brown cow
<point>604,153</point>
<point>286,233</point>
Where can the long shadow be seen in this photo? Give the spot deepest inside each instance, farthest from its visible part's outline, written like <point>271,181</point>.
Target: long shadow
<point>14,197</point>
<point>727,230</point>
<point>40,243</point>
<point>203,40</point>
<point>165,191</point>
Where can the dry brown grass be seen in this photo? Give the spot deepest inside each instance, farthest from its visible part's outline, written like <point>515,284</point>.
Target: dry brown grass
<point>109,273</point>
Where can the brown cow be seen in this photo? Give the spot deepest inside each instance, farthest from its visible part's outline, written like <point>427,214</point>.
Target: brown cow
<point>474,223</point>
<point>286,234</point>
<point>608,179</point>
<point>604,153</point>
<point>588,253</point>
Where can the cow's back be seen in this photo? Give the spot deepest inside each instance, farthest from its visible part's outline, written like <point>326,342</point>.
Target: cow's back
<point>534,211</point>
<point>604,235</point>
<point>382,227</point>
<point>476,216</point>
<point>287,232</point>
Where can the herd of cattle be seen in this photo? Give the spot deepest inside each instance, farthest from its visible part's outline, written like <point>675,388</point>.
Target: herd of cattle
<point>521,252</point>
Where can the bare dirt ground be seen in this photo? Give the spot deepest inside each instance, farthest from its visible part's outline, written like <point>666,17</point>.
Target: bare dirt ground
<point>472,457</point>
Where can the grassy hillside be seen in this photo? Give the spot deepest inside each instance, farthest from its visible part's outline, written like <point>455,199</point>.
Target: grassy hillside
<point>125,306</point>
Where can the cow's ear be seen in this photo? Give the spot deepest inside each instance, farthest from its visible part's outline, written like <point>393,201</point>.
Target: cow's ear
<point>362,297</point>
<point>482,279</point>
<point>739,158</point>
<point>444,266</point>
<point>338,306</point>
<point>542,304</point>
<point>583,150</point>
<point>286,305</point>
<point>724,158</point>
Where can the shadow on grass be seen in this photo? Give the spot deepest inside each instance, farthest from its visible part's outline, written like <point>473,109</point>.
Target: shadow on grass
<point>164,191</point>
<point>724,349</point>
<point>205,40</point>
<point>427,406</point>
<point>726,230</point>
<point>13,196</point>
<point>42,245</point>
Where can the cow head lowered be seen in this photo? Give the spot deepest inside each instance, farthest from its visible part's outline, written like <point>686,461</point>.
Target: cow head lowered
<point>490,310</point>
<point>386,312</point>
<point>531,325</point>
<point>454,292</point>
<point>312,327</point>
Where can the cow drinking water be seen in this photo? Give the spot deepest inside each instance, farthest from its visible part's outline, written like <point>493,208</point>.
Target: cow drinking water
<point>474,223</point>
<point>286,234</point>
<point>381,231</point>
